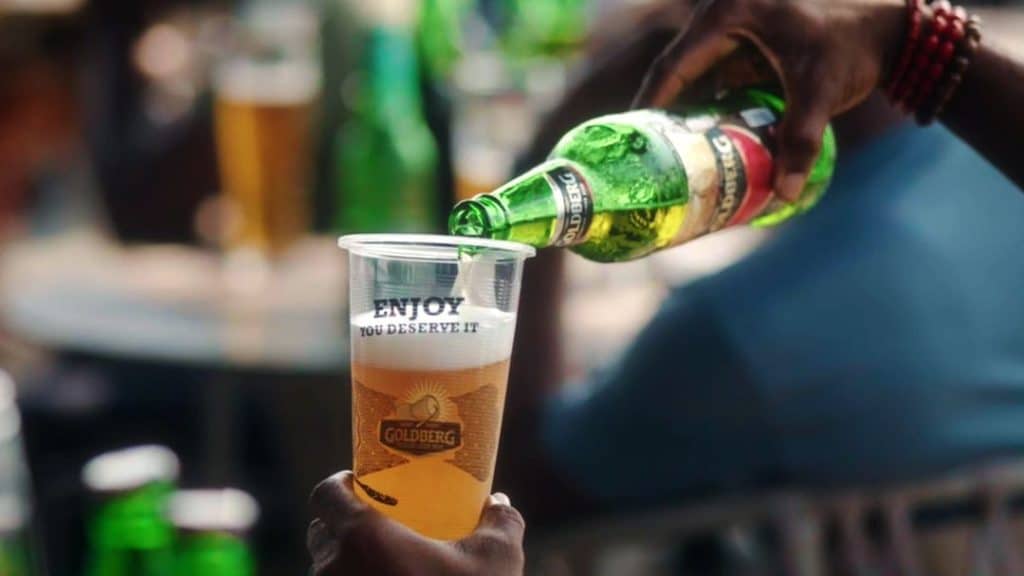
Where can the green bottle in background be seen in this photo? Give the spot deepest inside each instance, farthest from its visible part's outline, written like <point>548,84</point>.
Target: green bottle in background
<point>544,28</point>
<point>18,553</point>
<point>129,533</point>
<point>212,529</point>
<point>439,34</point>
<point>338,43</point>
<point>623,186</point>
<point>387,155</point>
<point>15,559</point>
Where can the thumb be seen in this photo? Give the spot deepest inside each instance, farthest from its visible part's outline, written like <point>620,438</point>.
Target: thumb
<point>501,517</point>
<point>498,538</point>
<point>334,502</point>
<point>798,145</point>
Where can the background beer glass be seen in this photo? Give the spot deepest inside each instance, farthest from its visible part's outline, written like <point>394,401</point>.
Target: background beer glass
<point>432,333</point>
<point>266,83</point>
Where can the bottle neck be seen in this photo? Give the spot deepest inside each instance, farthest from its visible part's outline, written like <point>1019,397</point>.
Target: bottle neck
<point>481,217</point>
<point>392,87</point>
<point>550,205</point>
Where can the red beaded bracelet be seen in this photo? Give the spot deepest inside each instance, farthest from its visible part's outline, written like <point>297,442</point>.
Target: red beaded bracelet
<point>935,54</point>
<point>914,17</point>
<point>921,52</point>
<point>955,72</point>
<point>940,47</point>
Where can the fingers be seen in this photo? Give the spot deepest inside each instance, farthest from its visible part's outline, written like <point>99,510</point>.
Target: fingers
<point>323,549</point>
<point>498,539</point>
<point>349,537</point>
<point>704,42</point>
<point>799,139</point>
<point>500,516</point>
<point>335,503</point>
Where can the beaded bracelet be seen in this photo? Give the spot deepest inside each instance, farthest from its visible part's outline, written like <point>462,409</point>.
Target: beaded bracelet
<point>914,18</point>
<point>955,73</point>
<point>947,31</point>
<point>935,55</point>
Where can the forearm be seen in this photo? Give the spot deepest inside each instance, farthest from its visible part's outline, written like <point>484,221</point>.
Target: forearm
<point>986,110</point>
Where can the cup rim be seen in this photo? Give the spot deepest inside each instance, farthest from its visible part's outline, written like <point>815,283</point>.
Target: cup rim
<point>417,246</point>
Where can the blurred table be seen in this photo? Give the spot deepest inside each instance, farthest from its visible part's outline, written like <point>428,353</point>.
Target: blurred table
<point>282,340</point>
<point>175,304</point>
<point>279,345</point>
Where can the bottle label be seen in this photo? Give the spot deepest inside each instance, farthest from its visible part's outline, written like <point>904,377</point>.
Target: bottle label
<point>575,206</point>
<point>694,155</point>
<point>745,170</point>
<point>727,164</point>
<point>732,177</point>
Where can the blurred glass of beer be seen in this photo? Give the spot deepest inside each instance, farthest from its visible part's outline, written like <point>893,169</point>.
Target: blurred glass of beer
<point>432,333</point>
<point>265,91</point>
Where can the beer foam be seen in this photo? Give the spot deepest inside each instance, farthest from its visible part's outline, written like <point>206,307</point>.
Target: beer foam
<point>419,350</point>
<point>275,83</point>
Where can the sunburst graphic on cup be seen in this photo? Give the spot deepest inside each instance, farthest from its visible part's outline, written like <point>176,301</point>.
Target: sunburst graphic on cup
<point>426,402</point>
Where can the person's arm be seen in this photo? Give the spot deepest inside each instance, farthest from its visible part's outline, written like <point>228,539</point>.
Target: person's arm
<point>987,110</point>
<point>831,55</point>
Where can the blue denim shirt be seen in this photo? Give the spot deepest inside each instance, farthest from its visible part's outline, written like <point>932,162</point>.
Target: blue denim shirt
<point>878,338</point>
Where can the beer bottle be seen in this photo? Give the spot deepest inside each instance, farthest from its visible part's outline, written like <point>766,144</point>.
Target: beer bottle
<point>14,553</point>
<point>387,154</point>
<point>623,186</point>
<point>129,533</point>
<point>544,28</point>
<point>16,550</point>
<point>439,35</point>
<point>212,527</point>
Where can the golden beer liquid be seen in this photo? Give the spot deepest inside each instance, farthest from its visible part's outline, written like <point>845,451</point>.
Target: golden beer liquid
<point>439,495</point>
<point>263,150</point>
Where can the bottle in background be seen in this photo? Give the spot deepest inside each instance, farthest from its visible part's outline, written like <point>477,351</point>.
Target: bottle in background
<point>387,155</point>
<point>14,538</point>
<point>544,28</point>
<point>623,186</point>
<point>212,529</point>
<point>439,35</point>
<point>16,558</point>
<point>129,533</point>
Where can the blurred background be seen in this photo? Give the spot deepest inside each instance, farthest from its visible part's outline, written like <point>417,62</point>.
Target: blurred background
<point>173,176</point>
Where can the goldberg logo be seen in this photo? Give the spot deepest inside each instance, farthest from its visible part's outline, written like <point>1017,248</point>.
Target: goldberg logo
<point>575,206</point>
<point>422,437</point>
<point>415,428</point>
<point>732,179</point>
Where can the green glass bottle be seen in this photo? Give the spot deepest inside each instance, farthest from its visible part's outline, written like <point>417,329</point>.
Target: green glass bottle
<point>15,559</point>
<point>17,556</point>
<point>439,34</point>
<point>623,186</point>
<point>544,28</point>
<point>387,155</point>
<point>212,528</point>
<point>129,533</point>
